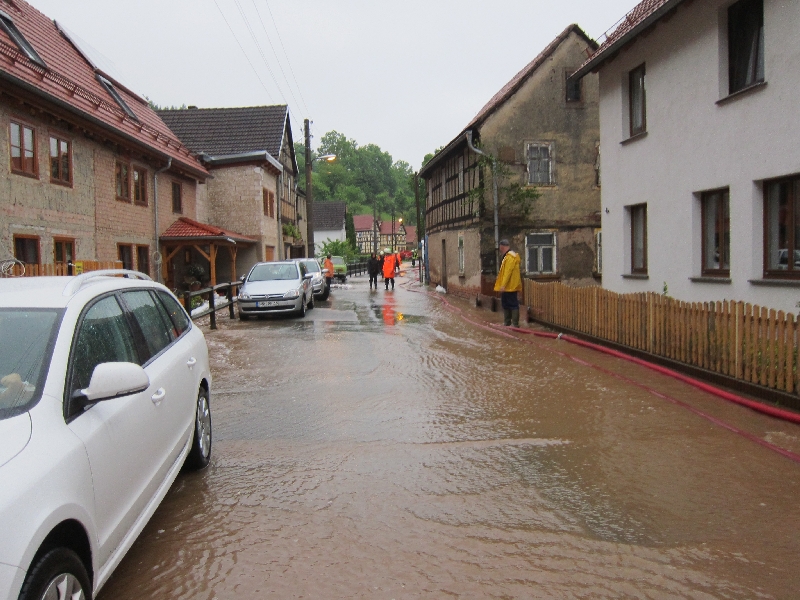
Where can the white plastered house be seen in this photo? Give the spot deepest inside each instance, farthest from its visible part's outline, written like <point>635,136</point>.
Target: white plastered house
<point>700,146</point>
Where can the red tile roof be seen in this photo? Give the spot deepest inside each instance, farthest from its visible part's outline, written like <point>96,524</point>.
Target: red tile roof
<point>386,228</point>
<point>70,82</point>
<point>189,228</point>
<point>362,222</point>
<point>641,17</point>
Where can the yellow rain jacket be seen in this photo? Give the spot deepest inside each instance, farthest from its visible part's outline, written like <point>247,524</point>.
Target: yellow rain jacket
<point>509,277</point>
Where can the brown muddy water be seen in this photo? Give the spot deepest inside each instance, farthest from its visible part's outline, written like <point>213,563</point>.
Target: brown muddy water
<point>383,447</point>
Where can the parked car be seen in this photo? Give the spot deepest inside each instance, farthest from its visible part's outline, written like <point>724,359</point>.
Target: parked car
<point>318,285</point>
<point>104,397</point>
<point>276,287</point>
<point>339,268</point>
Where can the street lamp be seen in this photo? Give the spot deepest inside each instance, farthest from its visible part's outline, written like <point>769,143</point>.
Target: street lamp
<point>310,248</point>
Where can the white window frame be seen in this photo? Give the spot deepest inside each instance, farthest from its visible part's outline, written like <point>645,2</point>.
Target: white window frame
<point>536,239</point>
<point>533,173</point>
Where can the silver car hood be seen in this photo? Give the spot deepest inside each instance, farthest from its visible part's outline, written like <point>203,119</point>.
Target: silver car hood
<point>266,288</point>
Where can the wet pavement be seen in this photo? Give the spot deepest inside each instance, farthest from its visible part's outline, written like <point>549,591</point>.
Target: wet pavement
<point>387,446</point>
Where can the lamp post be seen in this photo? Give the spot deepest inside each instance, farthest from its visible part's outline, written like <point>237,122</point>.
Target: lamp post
<point>392,229</point>
<point>310,248</point>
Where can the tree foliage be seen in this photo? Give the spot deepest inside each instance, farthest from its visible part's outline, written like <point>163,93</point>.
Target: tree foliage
<point>337,248</point>
<point>366,178</point>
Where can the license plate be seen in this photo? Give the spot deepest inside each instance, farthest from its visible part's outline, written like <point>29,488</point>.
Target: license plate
<point>265,304</point>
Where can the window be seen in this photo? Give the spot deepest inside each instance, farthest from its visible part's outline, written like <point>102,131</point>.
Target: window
<point>636,96</point>
<point>103,336</point>
<point>26,249</point>
<point>140,186</point>
<point>112,91</point>
<point>152,320</point>
<point>180,319</point>
<point>269,253</point>
<point>540,252</point>
<point>123,181</point>
<point>268,198</point>
<point>745,44</point>
<point>782,226</point>
<point>461,253</point>
<point>23,149</point>
<point>7,25</point>
<point>63,251</point>
<point>716,225</point>
<point>540,163</point>
<point>60,159</point>
<point>125,254</point>
<point>143,259</point>
<point>573,88</point>
<point>177,197</point>
<point>638,216</point>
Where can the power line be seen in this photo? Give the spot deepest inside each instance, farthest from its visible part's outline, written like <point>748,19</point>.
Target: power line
<point>243,52</point>
<point>277,58</point>
<point>260,51</point>
<point>288,62</point>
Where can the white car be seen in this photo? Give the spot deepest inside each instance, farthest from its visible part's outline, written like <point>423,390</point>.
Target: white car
<point>276,287</point>
<point>104,395</point>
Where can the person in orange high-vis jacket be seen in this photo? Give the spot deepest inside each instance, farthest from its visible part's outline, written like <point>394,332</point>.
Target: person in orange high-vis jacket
<point>389,267</point>
<point>328,264</point>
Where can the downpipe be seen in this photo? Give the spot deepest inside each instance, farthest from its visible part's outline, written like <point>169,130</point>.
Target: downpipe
<point>494,200</point>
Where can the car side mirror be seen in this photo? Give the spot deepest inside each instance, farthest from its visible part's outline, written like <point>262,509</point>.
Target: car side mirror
<point>325,270</point>
<point>113,380</point>
<point>309,276</point>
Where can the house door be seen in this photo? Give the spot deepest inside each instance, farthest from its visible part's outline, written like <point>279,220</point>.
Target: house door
<point>269,253</point>
<point>444,264</point>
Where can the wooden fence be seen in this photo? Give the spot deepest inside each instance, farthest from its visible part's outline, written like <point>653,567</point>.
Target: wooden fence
<point>16,269</point>
<point>738,339</point>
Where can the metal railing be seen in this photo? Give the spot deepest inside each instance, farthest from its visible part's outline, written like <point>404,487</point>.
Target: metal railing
<point>211,295</point>
<point>356,268</point>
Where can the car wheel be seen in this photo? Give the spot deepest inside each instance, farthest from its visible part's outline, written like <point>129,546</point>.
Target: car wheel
<point>200,454</point>
<point>243,317</point>
<point>325,294</point>
<point>311,302</point>
<point>60,573</point>
<point>302,312</point>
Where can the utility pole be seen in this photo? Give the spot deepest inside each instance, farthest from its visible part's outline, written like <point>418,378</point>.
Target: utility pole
<point>375,224</point>
<point>310,249</point>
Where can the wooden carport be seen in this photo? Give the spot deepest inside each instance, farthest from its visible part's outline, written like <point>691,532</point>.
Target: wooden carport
<point>206,240</point>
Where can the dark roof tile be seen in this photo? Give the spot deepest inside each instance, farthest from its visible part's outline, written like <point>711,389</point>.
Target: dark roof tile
<point>329,215</point>
<point>227,131</point>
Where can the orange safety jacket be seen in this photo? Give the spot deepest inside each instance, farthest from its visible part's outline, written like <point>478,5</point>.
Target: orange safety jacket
<point>389,263</point>
<point>328,264</point>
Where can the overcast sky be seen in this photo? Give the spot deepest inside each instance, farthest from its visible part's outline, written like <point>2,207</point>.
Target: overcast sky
<point>407,75</point>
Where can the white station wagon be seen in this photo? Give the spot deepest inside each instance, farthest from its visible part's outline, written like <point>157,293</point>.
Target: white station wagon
<point>104,396</point>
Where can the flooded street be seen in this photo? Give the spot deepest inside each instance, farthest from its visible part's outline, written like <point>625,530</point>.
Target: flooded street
<point>388,447</point>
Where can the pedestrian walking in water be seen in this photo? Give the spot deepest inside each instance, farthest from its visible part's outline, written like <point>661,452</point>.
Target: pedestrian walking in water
<point>373,268</point>
<point>328,264</point>
<point>508,284</point>
<point>389,267</point>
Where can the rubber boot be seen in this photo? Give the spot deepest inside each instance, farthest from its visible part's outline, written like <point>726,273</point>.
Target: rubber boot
<point>506,317</point>
<point>515,317</point>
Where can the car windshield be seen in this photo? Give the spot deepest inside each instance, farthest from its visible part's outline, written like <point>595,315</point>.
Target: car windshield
<point>26,344</point>
<point>337,260</point>
<point>273,272</point>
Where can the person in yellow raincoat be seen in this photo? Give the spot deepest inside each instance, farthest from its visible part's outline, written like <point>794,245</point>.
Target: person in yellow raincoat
<point>508,284</point>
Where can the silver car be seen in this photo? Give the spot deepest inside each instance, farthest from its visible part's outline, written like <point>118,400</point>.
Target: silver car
<point>318,284</point>
<point>276,287</point>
